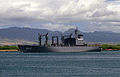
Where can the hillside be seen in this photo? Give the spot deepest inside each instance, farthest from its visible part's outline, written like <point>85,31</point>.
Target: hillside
<point>29,34</point>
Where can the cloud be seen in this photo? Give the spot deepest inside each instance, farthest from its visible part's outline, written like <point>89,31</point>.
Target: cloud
<point>103,26</point>
<point>37,12</point>
<point>57,27</point>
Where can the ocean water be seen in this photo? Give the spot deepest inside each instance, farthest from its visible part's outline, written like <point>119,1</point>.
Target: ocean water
<point>83,64</point>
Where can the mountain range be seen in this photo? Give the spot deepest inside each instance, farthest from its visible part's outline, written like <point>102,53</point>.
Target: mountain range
<point>31,34</point>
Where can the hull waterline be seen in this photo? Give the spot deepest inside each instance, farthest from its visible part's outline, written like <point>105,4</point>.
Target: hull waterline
<point>38,49</point>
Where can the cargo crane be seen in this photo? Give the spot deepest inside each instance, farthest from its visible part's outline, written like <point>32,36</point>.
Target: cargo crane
<point>40,39</point>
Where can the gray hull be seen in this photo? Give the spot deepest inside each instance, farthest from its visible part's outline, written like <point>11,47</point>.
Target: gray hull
<point>29,48</point>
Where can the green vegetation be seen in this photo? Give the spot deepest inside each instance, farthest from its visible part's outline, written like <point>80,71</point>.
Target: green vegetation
<point>8,47</point>
<point>104,47</point>
<point>107,46</point>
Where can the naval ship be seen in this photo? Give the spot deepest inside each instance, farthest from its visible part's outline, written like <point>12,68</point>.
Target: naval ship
<point>69,43</point>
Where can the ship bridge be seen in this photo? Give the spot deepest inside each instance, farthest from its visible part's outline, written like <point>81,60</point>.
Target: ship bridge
<point>77,40</point>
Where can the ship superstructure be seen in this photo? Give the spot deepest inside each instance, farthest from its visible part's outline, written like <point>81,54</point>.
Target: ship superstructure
<point>66,40</point>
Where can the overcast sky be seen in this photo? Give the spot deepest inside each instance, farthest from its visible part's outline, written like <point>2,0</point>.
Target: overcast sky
<point>61,15</point>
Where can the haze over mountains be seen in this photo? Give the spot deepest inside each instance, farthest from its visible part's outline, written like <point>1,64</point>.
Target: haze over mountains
<point>32,34</point>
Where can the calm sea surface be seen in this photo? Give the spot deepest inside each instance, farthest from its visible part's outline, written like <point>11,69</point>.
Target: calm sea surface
<point>83,64</point>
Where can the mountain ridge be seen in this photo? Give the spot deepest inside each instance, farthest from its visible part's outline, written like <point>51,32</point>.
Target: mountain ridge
<point>32,34</point>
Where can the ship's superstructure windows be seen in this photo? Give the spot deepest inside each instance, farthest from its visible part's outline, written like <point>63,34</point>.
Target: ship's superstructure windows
<point>80,37</point>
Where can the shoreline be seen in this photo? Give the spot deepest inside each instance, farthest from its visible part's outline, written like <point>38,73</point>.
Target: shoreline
<point>8,50</point>
<point>18,50</point>
<point>111,49</point>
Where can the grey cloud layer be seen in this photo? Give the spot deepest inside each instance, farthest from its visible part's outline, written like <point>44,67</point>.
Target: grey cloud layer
<point>59,12</point>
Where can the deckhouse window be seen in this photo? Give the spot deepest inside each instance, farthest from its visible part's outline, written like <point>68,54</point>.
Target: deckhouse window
<point>78,36</point>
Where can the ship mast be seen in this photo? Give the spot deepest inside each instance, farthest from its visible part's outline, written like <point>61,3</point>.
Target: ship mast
<point>76,32</point>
